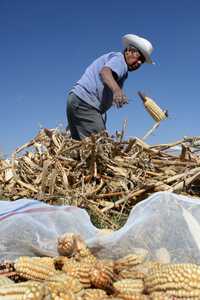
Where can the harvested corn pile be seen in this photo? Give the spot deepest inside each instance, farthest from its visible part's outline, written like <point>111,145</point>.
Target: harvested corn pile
<point>78,275</point>
<point>106,176</point>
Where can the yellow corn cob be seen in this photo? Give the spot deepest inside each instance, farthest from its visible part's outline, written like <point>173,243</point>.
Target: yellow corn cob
<point>94,294</point>
<point>177,280</point>
<point>62,296</point>
<point>64,282</point>
<point>128,286</point>
<point>31,268</point>
<point>81,271</point>
<point>132,296</point>
<point>153,109</point>
<point>85,255</point>
<point>38,292</point>
<point>22,291</point>
<point>128,262</point>
<point>130,274</point>
<point>161,296</point>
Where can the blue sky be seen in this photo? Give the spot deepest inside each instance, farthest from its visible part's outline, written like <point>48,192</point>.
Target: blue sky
<point>46,45</point>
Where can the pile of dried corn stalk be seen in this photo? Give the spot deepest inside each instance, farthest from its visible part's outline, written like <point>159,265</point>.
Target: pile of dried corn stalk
<point>104,175</point>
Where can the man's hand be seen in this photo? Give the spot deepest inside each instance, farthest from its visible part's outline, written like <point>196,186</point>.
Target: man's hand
<point>119,99</point>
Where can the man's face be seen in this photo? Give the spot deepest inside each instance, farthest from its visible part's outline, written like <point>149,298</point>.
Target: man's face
<point>134,59</point>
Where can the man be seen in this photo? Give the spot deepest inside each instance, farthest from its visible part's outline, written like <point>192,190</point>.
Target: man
<point>101,86</point>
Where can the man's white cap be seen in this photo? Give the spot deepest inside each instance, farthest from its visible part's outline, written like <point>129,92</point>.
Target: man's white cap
<point>143,45</point>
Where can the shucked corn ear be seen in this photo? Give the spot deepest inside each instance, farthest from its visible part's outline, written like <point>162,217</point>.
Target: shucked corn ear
<point>29,290</point>
<point>177,280</point>
<point>153,109</point>
<point>32,268</point>
<point>128,286</point>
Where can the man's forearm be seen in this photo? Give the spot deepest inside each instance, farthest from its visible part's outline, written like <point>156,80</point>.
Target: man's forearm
<point>108,79</point>
<point>119,99</point>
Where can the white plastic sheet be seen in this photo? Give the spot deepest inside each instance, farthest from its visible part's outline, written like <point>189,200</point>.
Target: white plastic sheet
<point>166,226</point>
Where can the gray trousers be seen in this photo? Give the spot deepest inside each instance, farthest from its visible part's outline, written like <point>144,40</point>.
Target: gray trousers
<point>83,119</point>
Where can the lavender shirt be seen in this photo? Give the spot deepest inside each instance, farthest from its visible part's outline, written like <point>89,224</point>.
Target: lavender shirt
<point>91,89</point>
